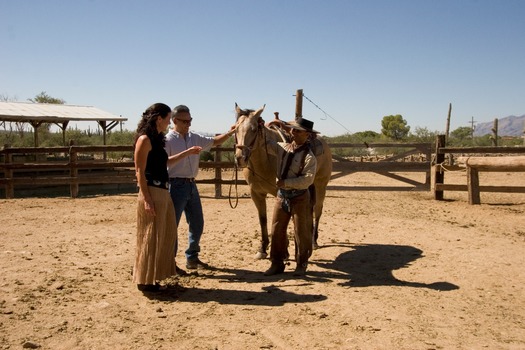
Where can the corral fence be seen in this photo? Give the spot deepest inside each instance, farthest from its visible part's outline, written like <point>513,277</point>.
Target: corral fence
<point>75,166</point>
<point>474,160</point>
<point>391,160</point>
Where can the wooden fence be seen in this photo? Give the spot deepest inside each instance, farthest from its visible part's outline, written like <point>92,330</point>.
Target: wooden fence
<point>74,166</point>
<point>83,165</point>
<point>445,162</point>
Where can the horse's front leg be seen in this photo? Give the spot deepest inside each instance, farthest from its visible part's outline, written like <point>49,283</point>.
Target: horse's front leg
<point>260,203</point>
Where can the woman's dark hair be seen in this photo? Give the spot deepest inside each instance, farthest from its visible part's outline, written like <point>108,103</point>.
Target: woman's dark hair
<point>148,123</point>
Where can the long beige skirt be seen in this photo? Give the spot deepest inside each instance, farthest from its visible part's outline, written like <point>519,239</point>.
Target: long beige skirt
<point>156,237</point>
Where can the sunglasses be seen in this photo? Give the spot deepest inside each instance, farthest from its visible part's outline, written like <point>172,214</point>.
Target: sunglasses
<point>187,122</point>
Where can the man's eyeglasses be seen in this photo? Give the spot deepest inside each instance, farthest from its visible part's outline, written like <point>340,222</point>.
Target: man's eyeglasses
<point>184,121</point>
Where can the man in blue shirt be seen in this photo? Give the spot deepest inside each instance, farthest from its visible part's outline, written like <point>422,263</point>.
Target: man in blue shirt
<point>183,189</point>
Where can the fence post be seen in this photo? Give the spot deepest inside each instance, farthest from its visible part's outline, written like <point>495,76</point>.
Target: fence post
<point>218,174</point>
<point>73,171</point>
<point>9,186</point>
<point>473,186</point>
<point>439,175</point>
<point>494,136</point>
<point>299,104</point>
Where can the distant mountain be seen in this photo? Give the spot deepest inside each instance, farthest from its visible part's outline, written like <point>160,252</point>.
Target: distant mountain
<point>508,126</point>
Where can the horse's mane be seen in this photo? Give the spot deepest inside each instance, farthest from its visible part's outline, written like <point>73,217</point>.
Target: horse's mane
<point>245,112</point>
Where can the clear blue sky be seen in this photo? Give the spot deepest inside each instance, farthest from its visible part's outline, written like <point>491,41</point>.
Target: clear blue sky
<point>357,60</point>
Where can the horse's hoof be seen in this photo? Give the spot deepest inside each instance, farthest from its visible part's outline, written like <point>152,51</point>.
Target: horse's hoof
<point>261,255</point>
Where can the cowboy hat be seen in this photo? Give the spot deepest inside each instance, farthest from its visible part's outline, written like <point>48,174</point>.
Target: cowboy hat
<point>302,124</point>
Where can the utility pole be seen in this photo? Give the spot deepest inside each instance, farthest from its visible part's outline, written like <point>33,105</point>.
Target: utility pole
<point>472,121</point>
<point>448,123</point>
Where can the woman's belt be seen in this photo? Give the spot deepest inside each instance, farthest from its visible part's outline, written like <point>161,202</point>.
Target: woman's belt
<point>160,184</point>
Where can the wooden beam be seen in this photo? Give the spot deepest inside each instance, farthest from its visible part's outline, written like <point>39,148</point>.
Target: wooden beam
<point>494,164</point>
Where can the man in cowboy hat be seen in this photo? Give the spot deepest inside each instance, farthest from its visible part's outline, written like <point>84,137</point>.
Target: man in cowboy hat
<point>296,170</point>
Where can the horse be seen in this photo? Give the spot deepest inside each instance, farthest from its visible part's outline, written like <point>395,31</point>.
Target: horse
<point>259,167</point>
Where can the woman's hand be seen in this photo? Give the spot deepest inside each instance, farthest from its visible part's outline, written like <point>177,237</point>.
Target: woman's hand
<point>149,207</point>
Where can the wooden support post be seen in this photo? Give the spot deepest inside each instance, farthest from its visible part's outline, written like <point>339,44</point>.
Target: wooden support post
<point>35,126</point>
<point>473,186</point>
<point>439,176</point>
<point>102,124</point>
<point>9,187</point>
<point>299,104</point>
<point>73,171</point>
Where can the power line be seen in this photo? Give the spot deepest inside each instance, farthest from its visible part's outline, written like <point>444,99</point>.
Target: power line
<point>326,114</point>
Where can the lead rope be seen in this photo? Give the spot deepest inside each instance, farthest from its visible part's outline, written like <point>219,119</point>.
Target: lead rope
<point>234,175</point>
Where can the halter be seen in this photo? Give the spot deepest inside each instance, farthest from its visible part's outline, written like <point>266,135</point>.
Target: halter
<point>260,126</point>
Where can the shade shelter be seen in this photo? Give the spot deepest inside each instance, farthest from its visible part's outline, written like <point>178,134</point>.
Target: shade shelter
<point>38,113</point>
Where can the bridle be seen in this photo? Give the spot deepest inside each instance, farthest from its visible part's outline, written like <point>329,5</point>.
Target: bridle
<point>248,148</point>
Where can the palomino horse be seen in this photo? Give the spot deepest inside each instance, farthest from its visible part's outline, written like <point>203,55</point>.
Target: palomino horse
<point>251,139</point>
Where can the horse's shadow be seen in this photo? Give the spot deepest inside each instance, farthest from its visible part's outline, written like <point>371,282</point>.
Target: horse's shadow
<point>367,265</point>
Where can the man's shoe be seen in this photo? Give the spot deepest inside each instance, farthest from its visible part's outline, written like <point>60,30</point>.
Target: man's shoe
<point>180,272</point>
<point>195,264</point>
<point>275,269</point>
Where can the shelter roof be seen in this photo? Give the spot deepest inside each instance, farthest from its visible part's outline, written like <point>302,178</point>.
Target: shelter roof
<point>52,113</point>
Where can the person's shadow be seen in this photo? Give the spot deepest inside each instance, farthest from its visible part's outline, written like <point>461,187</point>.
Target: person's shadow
<point>373,265</point>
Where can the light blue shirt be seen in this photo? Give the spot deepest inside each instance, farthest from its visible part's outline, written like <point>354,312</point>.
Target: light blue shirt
<point>176,143</point>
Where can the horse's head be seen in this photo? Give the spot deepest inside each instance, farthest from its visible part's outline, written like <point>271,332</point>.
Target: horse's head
<point>248,126</point>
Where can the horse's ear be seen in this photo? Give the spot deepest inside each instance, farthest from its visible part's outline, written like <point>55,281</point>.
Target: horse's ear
<point>259,111</point>
<point>237,111</point>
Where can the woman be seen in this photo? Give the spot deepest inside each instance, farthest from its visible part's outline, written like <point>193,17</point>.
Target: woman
<point>156,223</point>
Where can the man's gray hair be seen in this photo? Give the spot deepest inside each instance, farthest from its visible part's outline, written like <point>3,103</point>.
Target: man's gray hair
<point>180,109</point>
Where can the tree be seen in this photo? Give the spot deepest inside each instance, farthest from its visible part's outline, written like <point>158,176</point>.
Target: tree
<point>461,136</point>
<point>423,135</point>
<point>7,98</point>
<point>394,127</point>
<point>45,98</point>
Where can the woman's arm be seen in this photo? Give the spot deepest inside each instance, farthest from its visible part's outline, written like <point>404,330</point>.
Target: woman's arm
<point>142,149</point>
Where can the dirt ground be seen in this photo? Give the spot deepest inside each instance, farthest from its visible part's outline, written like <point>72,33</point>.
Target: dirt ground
<point>396,270</point>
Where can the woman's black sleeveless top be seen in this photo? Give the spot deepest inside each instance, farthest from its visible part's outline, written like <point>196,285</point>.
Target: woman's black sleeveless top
<point>157,166</point>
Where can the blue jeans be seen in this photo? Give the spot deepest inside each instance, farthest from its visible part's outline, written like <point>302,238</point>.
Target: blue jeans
<point>185,197</point>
